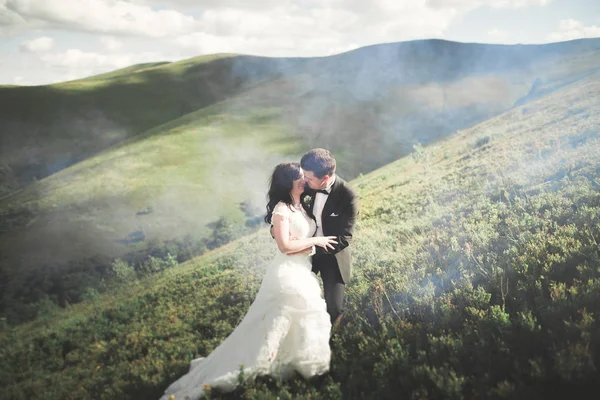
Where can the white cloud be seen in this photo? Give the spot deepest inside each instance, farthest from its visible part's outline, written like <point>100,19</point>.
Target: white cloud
<point>19,80</point>
<point>11,23</point>
<point>110,17</point>
<point>374,20</point>
<point>76,63</point>
<point>324,27</point>
<point>518,3</point>
<point>496,35</point>
<point>202,43</point>
<point>570,29</point>
<point>471,4</point>
<point>38,45</point>
<point>110,43</point>
<point>260,27</point>
<point>327,28</point>
<point>204,4</point>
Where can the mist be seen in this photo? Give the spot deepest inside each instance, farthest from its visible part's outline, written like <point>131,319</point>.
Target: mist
<point>107,168</point>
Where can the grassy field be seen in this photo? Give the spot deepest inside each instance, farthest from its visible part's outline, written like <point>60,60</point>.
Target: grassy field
<point>476,276</point>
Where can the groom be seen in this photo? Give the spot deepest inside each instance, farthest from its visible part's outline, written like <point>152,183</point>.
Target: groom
<point>334,206</point>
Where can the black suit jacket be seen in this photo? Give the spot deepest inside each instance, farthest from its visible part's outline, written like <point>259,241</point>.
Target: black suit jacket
<point>339,216</point>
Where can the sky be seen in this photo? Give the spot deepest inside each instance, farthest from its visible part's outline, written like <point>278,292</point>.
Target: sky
<point>50,41</point>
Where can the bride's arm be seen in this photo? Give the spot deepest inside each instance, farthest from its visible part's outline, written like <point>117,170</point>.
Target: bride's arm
<point>281,229</point>
<point>307,251</point>
<point>281,232</point>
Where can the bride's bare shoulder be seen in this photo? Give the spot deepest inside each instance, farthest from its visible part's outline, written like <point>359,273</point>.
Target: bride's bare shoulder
<point>282,209</point>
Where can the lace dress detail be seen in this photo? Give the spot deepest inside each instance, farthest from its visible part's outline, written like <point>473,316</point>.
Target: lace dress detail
<point>286,328</point>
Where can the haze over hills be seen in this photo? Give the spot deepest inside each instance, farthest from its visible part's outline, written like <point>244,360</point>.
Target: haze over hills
<point>159,152</point>
<point>476,275</point>
<point>44,129</point>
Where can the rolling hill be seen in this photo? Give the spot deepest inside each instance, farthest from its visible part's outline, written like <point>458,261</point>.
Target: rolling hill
<point>477,276</point>
<point>47,128</point>
<point>134,160</point>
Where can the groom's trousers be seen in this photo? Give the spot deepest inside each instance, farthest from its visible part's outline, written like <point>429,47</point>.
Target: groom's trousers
<point>333,284</point>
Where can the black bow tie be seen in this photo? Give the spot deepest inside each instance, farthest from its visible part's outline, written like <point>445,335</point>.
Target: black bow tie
<point>325,192</point>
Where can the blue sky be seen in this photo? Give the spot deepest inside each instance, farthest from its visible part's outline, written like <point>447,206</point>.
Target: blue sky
<point>47,41</point>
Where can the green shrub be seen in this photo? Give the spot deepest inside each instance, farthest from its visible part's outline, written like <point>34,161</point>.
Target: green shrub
<point>122,271</point>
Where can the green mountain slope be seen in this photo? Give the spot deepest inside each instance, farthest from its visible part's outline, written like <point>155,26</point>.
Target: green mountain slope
<point>127,71</point>
<point>47,128</point>
<point>202,176</point>
<point>170,185</point>
<point>477,276</point>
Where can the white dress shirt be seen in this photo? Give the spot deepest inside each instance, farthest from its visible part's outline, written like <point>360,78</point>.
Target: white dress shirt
<point>320,200</point>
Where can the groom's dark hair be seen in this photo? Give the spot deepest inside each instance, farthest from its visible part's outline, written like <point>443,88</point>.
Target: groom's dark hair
<point>319,161</point>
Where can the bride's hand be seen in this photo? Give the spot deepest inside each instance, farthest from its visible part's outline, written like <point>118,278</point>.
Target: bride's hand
<point>326,242</point>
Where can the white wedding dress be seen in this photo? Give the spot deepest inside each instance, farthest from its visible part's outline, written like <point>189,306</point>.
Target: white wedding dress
<point>286,328</point>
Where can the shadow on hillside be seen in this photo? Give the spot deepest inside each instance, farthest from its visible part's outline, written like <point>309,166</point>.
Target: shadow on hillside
<point>48,128</point>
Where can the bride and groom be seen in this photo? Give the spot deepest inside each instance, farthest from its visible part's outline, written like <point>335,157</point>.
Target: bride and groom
<point>287,328</point>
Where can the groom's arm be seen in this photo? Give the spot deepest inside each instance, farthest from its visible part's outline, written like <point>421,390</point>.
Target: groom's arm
<point>349,216</point>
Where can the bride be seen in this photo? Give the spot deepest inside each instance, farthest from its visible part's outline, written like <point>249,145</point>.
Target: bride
<point>286,329</point>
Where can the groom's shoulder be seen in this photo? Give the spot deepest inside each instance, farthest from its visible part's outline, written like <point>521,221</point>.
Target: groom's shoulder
<point>347,187</point>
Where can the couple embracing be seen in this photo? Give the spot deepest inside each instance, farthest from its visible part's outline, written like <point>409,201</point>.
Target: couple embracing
<point>312,213</point>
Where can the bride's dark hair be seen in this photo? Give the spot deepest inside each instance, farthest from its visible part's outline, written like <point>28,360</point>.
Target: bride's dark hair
<point>280,186</point>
